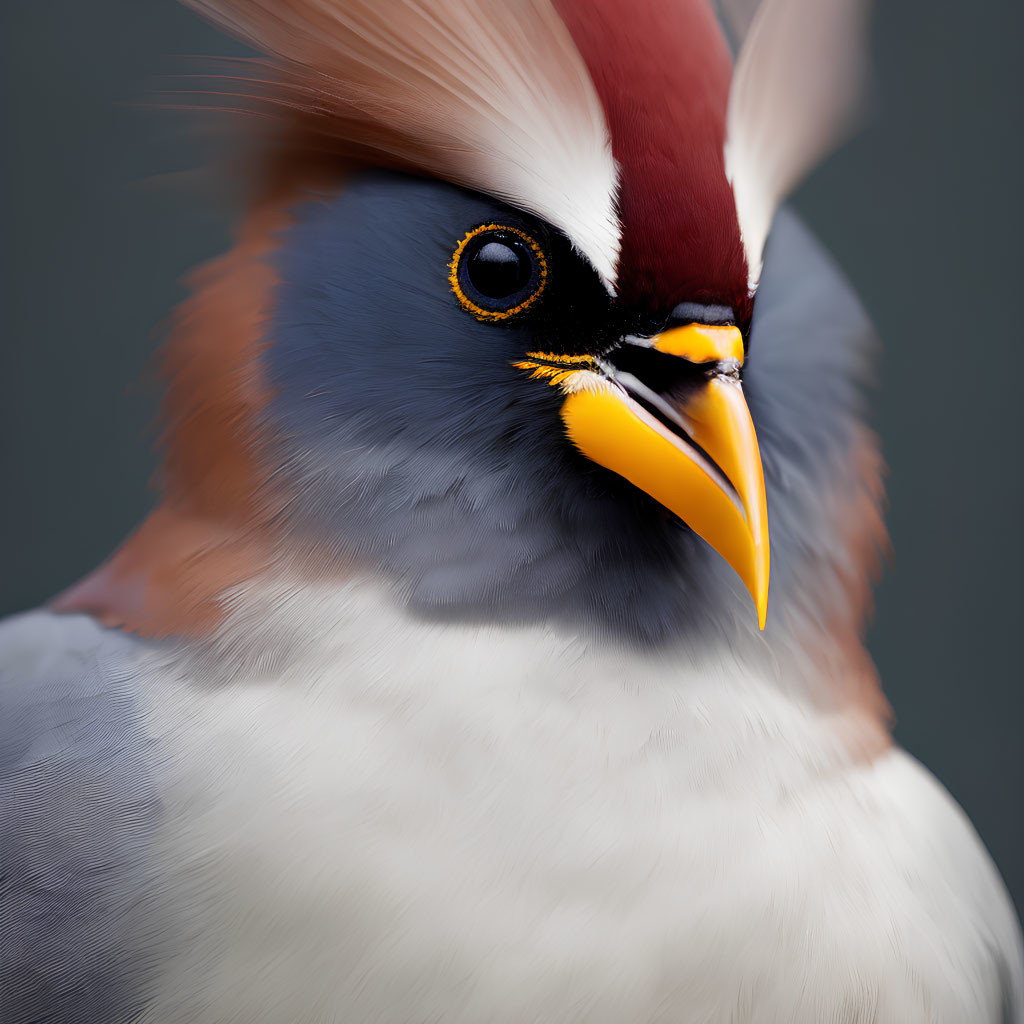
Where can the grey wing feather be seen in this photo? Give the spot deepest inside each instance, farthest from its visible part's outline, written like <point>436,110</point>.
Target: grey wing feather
<point>78,809</point>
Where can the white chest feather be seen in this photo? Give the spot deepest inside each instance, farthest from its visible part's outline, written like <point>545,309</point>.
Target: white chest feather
<point>425,823</point>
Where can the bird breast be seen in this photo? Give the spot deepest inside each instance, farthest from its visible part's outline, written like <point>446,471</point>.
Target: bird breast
<point>396,821</point>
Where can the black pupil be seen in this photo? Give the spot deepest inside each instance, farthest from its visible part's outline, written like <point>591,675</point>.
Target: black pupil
<point>500,269</point>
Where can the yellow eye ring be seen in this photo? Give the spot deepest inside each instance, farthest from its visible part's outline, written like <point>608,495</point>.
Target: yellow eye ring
<point>494,307</point>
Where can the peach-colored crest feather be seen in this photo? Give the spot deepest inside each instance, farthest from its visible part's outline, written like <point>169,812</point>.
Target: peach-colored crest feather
<point>490,94</point>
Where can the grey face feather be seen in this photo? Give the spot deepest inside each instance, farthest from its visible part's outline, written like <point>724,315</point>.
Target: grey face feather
<point>78,811</point>
<point>416,446</point>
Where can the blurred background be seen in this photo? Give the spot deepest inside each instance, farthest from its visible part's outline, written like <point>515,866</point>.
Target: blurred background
<point>923,210</point>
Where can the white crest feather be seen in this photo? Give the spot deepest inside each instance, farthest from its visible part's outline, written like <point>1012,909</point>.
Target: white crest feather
<point>795,94</point>
<point>490,94</point>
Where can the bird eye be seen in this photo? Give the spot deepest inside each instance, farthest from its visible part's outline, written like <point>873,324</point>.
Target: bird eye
<point>497,271</point>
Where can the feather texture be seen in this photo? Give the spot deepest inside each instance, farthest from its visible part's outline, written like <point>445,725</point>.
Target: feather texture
<point>662,70</point>
<point>795,93</point>
<point>489,94</point>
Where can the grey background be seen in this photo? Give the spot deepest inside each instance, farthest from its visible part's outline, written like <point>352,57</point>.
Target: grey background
<point>923,210</point>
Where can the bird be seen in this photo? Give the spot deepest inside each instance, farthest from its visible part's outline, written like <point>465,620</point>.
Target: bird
<point>494,650</point>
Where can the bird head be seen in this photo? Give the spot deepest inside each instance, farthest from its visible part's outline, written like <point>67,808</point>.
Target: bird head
<point>488,325</point>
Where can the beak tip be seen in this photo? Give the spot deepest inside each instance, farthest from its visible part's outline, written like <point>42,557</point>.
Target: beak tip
<point>759,592</point>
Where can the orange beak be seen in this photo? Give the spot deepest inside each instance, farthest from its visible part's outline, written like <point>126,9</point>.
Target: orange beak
<point>697,453</point>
